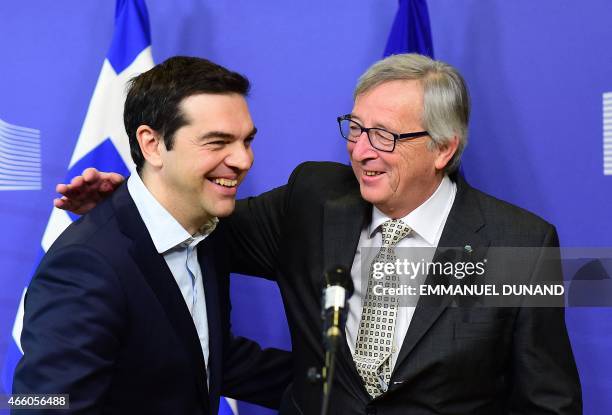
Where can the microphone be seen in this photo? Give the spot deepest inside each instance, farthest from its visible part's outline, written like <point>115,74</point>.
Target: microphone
<point>338,289</point>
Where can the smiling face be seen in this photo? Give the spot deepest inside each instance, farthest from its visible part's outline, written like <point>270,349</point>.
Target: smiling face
<point>197,178</point>
<point>397,182</point>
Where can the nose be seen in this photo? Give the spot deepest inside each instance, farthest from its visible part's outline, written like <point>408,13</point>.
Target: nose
<point>241,156</point>
<point>362,149</point>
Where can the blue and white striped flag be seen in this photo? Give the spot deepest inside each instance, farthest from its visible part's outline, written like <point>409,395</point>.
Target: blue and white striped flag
<point>103,142</point>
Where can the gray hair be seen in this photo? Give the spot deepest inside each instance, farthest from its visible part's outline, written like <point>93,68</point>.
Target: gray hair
<point>446,101</point>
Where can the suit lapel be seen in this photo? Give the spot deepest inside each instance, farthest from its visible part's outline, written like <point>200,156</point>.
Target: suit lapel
<point>461,229</point>
<point>160,279</point>
<point>343,220</point>
<point>206,257</point>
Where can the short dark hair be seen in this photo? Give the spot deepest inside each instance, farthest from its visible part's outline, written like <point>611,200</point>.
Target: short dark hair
<point>154,97</point>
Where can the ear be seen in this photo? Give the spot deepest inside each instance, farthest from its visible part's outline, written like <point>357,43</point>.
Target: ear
<point>151,144</point>
<point>446,152</point>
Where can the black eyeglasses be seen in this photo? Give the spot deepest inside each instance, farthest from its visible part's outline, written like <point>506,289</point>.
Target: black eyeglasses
<point>379,138</point>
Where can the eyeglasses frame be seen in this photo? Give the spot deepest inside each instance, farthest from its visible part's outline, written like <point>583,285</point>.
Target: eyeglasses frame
<point>396,136</point>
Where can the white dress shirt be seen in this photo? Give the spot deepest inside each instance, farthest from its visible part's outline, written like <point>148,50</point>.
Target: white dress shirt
<point>427,222</point>
<point>179,250</point>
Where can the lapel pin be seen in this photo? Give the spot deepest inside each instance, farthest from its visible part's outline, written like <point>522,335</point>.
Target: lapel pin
<point>468,249</point>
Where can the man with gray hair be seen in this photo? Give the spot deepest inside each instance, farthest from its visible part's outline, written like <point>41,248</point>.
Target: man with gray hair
<point>404,135</point>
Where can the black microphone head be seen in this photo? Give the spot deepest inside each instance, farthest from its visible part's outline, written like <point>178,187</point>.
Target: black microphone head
<point>339,275</point>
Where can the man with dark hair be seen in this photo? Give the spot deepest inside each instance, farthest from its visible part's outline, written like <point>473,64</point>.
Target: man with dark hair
<point>405,135</point>
<point>128,311</point>
<point>154,99</point>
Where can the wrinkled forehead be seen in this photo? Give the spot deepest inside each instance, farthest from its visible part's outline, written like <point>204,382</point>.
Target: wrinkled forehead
<point>391,103</point>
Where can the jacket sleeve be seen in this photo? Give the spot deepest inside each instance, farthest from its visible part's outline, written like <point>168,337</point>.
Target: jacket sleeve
<point>544,378</point>
<point>255,375</point>
<point>254,230</point>
<point>72,325</point>
<point>250,373</point>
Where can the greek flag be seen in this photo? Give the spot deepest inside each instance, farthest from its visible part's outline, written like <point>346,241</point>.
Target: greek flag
<point>103,142</point>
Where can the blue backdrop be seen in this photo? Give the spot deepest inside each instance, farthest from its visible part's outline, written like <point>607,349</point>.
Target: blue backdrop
<point>537,72</point>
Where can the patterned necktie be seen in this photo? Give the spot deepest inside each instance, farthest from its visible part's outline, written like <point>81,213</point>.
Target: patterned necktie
<point>375,336</point>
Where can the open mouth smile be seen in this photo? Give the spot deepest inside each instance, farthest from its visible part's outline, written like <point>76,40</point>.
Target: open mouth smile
<point>225,182</point>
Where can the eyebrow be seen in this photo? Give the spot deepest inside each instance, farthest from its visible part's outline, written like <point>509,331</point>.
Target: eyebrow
<point>225,135</point>
<point>384,127</point>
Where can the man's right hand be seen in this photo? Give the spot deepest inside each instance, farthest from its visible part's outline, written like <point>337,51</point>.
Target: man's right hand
<point>86,191</point>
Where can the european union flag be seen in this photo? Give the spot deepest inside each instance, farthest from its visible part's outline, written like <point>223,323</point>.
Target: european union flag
<point>411,31</point>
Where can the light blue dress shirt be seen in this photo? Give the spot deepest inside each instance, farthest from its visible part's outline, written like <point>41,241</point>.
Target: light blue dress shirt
<point>179,250</point>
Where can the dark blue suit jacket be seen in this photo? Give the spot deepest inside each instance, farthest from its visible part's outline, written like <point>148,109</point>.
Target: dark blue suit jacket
<point>454,360</point>
<point>106,323</point>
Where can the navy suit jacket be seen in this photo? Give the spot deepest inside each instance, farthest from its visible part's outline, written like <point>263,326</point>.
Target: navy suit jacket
<point>106,323</point>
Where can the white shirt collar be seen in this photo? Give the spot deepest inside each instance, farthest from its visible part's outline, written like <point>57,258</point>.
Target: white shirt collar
<point>166,232</point>
<point>428,219</point>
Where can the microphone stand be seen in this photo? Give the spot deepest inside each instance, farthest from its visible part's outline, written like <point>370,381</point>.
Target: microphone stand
<point>338,288</point>
<point>333,337</point>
